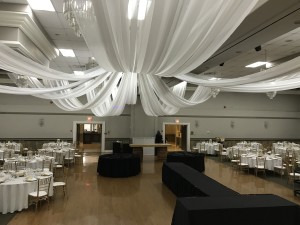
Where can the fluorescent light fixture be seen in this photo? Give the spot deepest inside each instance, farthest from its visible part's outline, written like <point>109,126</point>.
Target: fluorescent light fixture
<point>214,78</point>
<point>269,65</point>
<point>141,5</point>
<point>56,51</point>
<point>67,52</point>
<point>45,5</point>
<point>78,72</point>
<point>256,64</point>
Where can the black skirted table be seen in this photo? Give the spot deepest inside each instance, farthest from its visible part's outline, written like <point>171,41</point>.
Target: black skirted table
<point>185,181</point>
<point>236,210</point>
<point>119,165</point>
<point>194,160</point>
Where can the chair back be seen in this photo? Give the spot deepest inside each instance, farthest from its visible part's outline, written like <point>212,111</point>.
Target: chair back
<point>9,166</point>
<point>47,165</point>
<point>29,154</point>
<point>43,184</point>
<point>21,165</point>
<point>260,162</point>
<point>6,154</point>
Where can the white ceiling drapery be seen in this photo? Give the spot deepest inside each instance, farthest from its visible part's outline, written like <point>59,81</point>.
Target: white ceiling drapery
<point>175,36</point>
<point>135,54</point>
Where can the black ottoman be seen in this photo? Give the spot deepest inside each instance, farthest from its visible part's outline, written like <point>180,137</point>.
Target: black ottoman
<point>119,165</point>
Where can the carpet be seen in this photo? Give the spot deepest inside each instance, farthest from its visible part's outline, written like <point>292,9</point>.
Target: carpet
<point>5,218</point>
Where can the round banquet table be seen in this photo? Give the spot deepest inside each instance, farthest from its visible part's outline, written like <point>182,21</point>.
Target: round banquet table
<point>14,194</point>
<point>119,165</point>
<point>192,159</point>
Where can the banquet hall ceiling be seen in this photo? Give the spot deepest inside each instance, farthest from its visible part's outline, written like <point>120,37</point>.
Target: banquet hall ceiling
<point>273,25</point>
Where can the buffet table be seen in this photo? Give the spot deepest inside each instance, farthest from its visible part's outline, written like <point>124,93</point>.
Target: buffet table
<point>119,165</point>
<point>162,149</point>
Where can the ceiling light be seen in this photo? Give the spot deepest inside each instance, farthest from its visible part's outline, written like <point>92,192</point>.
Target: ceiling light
<point>67,52</point>
<point>45,5</point>
<point>214,78</point>
<point>78,72</point>
<point>256,64</point>
<point>141,5</point>
<point>269,65</point>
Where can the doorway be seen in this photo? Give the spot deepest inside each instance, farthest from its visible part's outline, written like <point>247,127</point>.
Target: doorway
<point>178,135</point>
<point>89,136</point>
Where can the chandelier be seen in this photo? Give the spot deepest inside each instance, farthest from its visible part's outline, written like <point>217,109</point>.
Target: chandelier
<point>22,81</point>
<point>215,92</point>
<point>272,94</point>
<point>84,8</point>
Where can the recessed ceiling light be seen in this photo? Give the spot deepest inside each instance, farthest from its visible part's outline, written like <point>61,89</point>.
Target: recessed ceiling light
<point>256,64</point>
<point>45,5</point>
<point>67,52</point>
<point>214,78</point>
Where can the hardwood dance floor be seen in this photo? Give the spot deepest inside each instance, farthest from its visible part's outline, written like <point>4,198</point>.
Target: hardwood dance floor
<point>139,200</point>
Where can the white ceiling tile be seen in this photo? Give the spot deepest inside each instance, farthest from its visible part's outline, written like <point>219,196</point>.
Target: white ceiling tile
<point>62,20</point>
<point>80,53</point>
<point>63,44</point>
<point>56,33</point>
<point>48,19</point>
<point>79,45</point>
<point>58,5</point>
<point>83,60</point>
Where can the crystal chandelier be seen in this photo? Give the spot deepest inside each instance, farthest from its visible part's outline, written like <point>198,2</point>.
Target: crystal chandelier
<point>215,92</point>
<point>22,81</point>
<point>272,94</point>
<point>84,7</point>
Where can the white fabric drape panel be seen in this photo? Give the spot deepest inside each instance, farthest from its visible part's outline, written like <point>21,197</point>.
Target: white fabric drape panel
<point>291,67</point>
<point>126,93</point>
<point>73,104</point>
<point>158,99</point>
<point>16,63</point>
<point>175,37</point>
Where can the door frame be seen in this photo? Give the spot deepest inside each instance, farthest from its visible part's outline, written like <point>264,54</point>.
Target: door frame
<point>188,136</point>
<point>75,123</point>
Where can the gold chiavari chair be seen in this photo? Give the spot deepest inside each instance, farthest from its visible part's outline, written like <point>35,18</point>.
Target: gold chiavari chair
<point>41,193</point>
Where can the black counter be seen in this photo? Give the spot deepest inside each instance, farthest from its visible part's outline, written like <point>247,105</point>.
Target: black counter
<point>119,165</point>
<point>185,181</point>
<point>236,210</point>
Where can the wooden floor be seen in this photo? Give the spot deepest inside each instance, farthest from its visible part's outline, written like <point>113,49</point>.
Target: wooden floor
<point>139,200</point>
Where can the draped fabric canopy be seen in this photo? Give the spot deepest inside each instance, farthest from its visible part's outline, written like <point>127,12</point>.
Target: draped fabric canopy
<point>136,44</point>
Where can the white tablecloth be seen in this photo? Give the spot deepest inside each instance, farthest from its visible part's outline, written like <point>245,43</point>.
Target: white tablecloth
<point>14,194</point>
<point>211,148</point>
<point>270,161</point>
<point>35,163</point>
<point>57,154</point>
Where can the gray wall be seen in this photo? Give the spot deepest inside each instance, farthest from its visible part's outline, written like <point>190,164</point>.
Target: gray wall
<point>231,115</point>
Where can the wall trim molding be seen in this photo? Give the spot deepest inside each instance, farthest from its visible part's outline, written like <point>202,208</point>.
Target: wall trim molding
<point>231,117</point>
<point>53,114</point>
